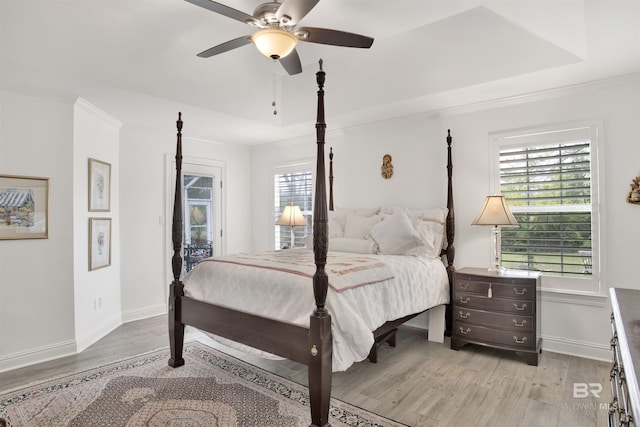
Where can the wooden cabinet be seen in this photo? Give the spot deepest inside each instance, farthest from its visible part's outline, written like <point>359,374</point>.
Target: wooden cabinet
<point>624,409</point>
<point>497,310</point>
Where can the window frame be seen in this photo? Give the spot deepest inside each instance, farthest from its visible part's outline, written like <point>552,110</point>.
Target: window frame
<point>301,165</point>
<point>558,133</point>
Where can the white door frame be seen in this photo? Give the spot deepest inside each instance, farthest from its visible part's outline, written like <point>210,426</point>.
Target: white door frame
<point>196,166</point>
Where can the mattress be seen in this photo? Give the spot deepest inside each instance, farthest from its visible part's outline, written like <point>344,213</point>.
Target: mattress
<point>278,285</point>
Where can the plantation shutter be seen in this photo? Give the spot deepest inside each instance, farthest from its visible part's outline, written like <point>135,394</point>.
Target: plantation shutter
<point>296,188</point>
<point>548,189</point>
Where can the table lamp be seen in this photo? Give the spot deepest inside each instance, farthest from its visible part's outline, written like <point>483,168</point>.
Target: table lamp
<point>496,213</point>
<point>292,216</point>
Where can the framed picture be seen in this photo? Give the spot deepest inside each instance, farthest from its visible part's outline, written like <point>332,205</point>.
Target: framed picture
<point>99,243</point>
<point>24,207</point>
<point>99,186</point>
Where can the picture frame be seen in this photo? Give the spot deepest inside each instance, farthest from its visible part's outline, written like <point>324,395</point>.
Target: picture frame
<point>99,243</point>
<point>99,186</point>
<point>24,207</point>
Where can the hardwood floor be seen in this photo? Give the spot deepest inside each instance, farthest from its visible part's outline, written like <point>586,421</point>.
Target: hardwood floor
<point>418,383</point>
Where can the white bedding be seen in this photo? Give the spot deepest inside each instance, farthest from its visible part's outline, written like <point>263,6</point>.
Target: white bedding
<point>419,283</point>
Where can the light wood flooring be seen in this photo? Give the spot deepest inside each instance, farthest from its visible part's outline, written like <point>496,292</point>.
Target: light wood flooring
<point>418,383</point>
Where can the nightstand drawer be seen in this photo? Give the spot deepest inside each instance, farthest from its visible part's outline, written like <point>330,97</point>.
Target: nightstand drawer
<point>525,340</point>
<point>486,288</point>
<point>524,308</point>
<point>512,322</point>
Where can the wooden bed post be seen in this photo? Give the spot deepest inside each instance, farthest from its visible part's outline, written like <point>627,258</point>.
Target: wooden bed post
<point>450,250</point>
<point>176,289</point>
<point>320,340</point>
<point>330,178</point>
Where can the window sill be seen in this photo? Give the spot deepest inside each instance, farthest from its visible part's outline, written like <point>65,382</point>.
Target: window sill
<point>572,297</point>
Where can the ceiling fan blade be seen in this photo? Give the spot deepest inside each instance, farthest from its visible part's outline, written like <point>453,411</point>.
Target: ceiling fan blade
<point>291,63</point>
<point>221,48</point>
<point>333,37</point>
<point>295,10</point>
<point>224,10</point>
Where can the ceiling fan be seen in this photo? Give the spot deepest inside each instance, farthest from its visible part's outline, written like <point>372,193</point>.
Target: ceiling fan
<point>277,34</point>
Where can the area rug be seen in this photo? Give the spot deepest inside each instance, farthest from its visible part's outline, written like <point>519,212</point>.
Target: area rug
<point>211,389</point>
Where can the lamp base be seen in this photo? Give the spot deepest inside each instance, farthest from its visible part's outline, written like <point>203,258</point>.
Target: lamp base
<point>497,270</point>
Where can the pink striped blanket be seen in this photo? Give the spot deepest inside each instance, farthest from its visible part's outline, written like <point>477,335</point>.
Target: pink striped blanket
<point>344,270</point>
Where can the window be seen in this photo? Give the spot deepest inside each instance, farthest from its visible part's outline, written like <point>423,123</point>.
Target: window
<point>293,184</point>
<point>549,179</point>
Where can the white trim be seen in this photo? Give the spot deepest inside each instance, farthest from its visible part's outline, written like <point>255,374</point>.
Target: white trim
<point>100,331</point>
<point>576,348</point>
<point>81,102</point>
<point>32,356</point>
<point>551,134</point>
<point>144,313</point>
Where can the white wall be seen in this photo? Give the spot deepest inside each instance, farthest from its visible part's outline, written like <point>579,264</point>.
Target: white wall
<point>570,324</point>
<point>145,220</point>
<point>36,276</point>
<point>97,293</point>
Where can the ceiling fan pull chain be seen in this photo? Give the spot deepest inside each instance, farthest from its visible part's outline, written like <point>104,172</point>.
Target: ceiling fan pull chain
<point>273,104</point>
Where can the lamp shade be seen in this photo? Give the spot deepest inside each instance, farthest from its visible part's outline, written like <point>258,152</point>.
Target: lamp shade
<point>274,42</point>
<point>495,212</point>
<point>292,216</point>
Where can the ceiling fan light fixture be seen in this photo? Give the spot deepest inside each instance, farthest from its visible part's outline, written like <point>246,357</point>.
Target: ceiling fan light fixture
<point>274,43</point>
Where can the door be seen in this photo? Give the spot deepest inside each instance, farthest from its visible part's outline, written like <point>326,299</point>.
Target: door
<point>202,214</point>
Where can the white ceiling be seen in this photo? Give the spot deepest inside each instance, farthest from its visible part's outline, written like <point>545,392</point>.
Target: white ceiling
<point>136,59</point>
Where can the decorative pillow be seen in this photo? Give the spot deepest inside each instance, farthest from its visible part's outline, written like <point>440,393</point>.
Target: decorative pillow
<point>432,236</point>
<point>359,227</point>
<point>396,235</point>
<point>335,229</point>
<point>340,214</point>
<point>435,214</point>
<point>345,244</point>
<point>307,241</point>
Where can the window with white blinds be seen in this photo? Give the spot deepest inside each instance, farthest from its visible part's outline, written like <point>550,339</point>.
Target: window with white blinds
<point>548,178</point>
<point>293,184</point>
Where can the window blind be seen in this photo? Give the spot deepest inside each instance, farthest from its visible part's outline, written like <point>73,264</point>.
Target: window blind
<point>293,188</point>
<point>548,189</point>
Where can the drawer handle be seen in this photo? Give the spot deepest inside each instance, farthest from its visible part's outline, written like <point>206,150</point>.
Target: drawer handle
<point>465,300</point>
<point>464,315</point>
<point>464,285</point>
<point>465,331</point>
<point>521,308</point>
<point>522,292</point>
<point>522,341</point>
<point>521,324</point>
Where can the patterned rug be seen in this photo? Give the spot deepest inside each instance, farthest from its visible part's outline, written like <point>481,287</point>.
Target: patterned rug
<point>212,389</point>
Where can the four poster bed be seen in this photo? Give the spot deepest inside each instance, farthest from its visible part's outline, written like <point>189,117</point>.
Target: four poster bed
<point>322,341</point>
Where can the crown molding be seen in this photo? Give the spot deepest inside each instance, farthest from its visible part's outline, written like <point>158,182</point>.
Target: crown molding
<point>537,96</point>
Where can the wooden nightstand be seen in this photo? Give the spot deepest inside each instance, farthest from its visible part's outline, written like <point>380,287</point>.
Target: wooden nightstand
<point>497,310</point>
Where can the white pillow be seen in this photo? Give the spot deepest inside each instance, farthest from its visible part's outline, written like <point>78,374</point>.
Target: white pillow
<point>435,214</point>
<point>396,235</point>
<point>307,241</point>
<point>335,229</point>
<point>432,236</point>
<point>340,214</point>
<point>345,244</point>
<point>359,227</point>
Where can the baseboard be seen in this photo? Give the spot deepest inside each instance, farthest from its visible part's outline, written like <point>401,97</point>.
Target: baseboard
<point>32,356</point>
<point>99,332</point>
<point>576,348</point>
<point>144,313</point>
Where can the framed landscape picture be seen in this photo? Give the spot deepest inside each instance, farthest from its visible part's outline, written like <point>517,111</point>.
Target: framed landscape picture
<point>24,207</point>
<point>99,243</point>
<point>99,186</point>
